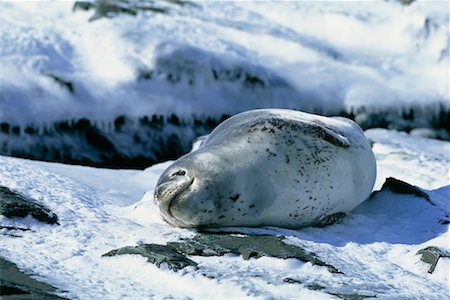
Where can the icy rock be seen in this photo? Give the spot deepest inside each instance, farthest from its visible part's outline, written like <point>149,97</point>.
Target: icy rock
<point>318,287</point>
<point>248,246</point>
<point>156,254</point>
<point>13,205</point>
<point>351,296</point>
<point>406,2</point>
<point>12,231</point>
<point>400,187</point>
<point>315,287</point>
<point>113,8</point>
<point>291,281</point>
<point>122,142</point>
<point>217,245</point>
<point>68,85</point>
<point>15,284</point>
<point>431,256</point>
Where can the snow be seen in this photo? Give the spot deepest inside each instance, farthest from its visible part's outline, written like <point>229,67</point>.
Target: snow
<point>213,58</point>
<point>399,151</point>
<point>328,58</point>
<point>100,210</point>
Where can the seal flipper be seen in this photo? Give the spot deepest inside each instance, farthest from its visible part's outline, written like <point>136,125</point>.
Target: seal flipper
<point>330,219</point>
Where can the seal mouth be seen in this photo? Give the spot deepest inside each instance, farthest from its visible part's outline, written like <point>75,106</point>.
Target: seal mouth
<point>168,192</point>
<point>176,196</point>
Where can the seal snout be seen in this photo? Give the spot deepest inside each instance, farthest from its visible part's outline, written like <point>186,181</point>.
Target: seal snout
<point>170,187</point>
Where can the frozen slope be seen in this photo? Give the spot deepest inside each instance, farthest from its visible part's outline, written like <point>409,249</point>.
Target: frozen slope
<point>100,210</point>
<point>79,88</point>
<point>221,58</point>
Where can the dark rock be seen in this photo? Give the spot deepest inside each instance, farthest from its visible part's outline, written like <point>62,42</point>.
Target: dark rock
<point>406,2</point>
<point>15,284</point>
<point>113,8</point>
<point>83,5</point>
<point>157,254</point>
<point>436,118</point>
<point>247,246</point>
<point>400,187</point>
<point>63,83</point>
<point>174,120</point>
<point>82,125</point>
<point>352,296</point>
<point>123,142</point>
<point>181,2</point>
<point>13,205</point>
<point>431,256</point>
<point>315,287</point>
<point>4,127</point>
<point>111,143</point>
<point>14,228</point>
<point>318,287</point>
<point>217,245</point>
<point>291,281</point>
<point>30,130</point>
<point>145,75</point>
<point>15,130</point>
<point>120,122</point>
<point>96,139</point>
<point>12,231</point>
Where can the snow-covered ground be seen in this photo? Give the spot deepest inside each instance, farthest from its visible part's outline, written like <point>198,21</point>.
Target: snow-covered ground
<point>382,62</point>
<point>223,57</point>
<point>100,210</point>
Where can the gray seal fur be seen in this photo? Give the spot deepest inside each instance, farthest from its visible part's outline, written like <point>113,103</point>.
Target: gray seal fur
<point>269,167</point>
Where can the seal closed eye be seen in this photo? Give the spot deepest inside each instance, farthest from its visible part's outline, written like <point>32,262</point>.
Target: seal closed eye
<point>289,168</point>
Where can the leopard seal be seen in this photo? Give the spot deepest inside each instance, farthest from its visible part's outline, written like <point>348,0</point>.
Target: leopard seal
<point>269,167</point>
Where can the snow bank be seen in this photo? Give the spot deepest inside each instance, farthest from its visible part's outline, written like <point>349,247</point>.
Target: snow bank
<point>379,63</point>
<point>120,143</point>
<point>221,58</point>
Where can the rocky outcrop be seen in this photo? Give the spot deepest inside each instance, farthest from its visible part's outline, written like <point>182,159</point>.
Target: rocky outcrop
<point>156,254</point>
<point>112,8</point>
<point>14,205</point>
<point>400,187</point>
<point>121,143</point>
<point>16,284</point>
<point>431,256</point>
<point>249,246</point>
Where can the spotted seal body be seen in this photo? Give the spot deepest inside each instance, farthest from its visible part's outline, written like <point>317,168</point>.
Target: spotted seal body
<point>269,167</point>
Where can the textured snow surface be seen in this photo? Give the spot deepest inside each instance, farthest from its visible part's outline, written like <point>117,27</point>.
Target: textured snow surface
<point>221,58</point>
<point>100,210</point>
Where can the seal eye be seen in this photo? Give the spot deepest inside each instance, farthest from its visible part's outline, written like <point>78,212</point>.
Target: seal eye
<point>179,173</point>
